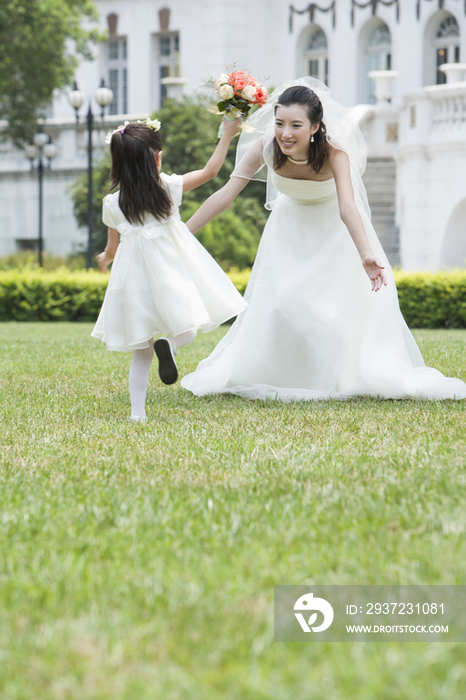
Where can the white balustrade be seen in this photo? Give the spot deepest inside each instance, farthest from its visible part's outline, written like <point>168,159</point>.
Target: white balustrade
<point>454,72</point>
<point>449,109</point>
<point>431,162</point>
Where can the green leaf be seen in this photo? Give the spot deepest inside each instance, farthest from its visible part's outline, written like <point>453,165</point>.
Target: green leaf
<point>39,40</point>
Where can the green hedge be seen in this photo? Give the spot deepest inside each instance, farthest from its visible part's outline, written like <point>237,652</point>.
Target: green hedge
<point>432,299</point>
<point>61,295</point>
<point>427,300</point>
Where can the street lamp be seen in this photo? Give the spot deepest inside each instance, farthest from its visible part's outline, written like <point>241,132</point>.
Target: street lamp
<point>103,97</point>
<point>41,145</point>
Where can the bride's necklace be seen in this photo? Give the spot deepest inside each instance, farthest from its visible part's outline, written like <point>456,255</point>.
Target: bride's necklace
<point>297,162</point>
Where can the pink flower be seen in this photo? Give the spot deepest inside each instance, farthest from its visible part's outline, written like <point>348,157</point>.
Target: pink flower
<point>238,80</point>
<point>239,84</point>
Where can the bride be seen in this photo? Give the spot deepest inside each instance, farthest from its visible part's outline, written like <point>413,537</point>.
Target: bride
<point>313,328</point>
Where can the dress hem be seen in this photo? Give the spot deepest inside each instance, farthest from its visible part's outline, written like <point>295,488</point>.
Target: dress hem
<point>290,395</point>
<point>144,343</point>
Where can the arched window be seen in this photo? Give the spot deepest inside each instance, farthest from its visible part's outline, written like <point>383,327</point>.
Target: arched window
<point>446,45</point>
<point>316,55</point>
<point>378,55</point>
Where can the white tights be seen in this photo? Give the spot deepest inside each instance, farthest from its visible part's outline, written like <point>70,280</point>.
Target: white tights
<point>178,341</point>
<point>139,371</point>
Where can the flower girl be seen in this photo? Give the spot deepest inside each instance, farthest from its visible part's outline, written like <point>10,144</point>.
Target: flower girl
<point>162,280</point>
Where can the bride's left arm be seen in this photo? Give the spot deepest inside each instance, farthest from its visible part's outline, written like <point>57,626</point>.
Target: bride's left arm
<point>340,165</point>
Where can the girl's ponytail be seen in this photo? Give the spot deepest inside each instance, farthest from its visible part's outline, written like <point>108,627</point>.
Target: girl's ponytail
<point>117,152</point>
<point>134,149</point>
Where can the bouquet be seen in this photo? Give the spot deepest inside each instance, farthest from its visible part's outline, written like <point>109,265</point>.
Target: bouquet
<point>240,95</point>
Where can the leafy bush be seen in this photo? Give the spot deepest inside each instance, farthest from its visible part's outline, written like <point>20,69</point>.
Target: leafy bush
<point>28,259</point>
<point>240,278</point>
<point>233,237</point>
<point>427,300</point>
<point>100,188</point>
<point>189,136</point>
<point>61,295</point>
<point>433,299</point>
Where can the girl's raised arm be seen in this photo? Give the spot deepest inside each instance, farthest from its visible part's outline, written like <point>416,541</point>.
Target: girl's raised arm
<point>198,177</point>
<point>221,200</point>
<point>350,216</point>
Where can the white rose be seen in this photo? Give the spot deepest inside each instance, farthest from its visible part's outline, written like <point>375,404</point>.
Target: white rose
<point>221,81</point>
<point>249,92</point>
<point>226,92</point>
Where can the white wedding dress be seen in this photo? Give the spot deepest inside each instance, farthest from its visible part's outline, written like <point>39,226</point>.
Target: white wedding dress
<point>313,328</point>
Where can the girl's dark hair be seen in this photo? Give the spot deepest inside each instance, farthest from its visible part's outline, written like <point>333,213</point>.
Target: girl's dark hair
<point>318,150</point>
<point>133,150</point>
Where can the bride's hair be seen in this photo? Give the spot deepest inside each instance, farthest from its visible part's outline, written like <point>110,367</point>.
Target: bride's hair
<point>134,149</point>
<point>318,150</point>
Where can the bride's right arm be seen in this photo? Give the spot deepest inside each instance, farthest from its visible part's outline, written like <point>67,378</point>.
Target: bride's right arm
<point>221,200</point>
<point>216,203</point>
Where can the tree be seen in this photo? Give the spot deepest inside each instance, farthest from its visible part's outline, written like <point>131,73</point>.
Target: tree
<point>232,237</point>
<point>40,45</point>
<point>100,188</point>
<point>189,135</point>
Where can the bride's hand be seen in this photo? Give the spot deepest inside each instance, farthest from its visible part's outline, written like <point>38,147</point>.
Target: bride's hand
<point>375,271</point>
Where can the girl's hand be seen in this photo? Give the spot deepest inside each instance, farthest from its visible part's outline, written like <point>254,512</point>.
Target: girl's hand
<point>231,128</point>
<point>102,261</point>
<point>375,271</point>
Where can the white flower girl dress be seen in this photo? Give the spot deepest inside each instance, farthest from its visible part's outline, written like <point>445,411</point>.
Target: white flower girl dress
<point>162,281</point>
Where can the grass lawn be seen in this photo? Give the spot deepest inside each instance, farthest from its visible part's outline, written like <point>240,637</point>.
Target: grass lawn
<point>138,561</point>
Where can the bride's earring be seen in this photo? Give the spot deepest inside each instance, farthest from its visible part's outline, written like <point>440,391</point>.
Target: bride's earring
<point>312,139</point>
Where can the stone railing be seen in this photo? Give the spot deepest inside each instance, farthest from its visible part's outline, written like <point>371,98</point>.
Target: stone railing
<point>431,163</point>
<point>435,114</point>
<point>449,107</point>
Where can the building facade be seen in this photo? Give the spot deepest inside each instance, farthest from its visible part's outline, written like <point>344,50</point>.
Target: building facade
<point>338,41</point>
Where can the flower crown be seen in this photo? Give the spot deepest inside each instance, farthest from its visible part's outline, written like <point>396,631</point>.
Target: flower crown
<point>153,124</point>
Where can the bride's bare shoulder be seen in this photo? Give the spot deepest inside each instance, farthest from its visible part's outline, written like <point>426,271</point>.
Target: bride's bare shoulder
<point>257,146</point>
<point>338,160</point>
<point>255,152</point>
<point>336,154</point>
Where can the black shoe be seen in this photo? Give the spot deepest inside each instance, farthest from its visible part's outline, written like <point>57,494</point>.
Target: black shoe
<point>168,371</point>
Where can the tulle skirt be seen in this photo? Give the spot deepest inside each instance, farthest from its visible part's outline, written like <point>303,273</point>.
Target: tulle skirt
<point>313,329</point>
<point>163,281</point>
